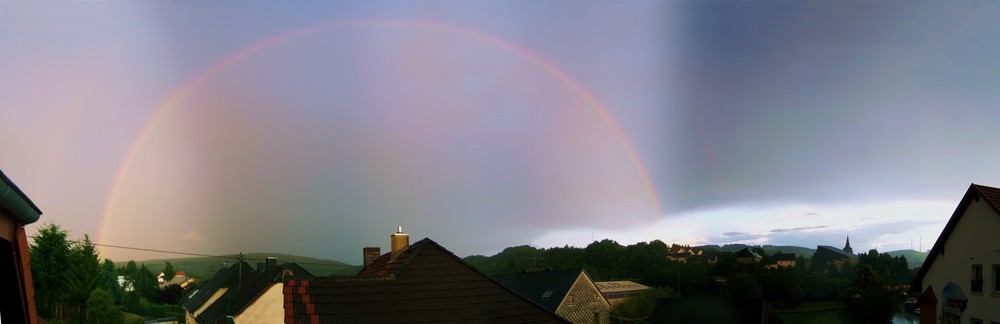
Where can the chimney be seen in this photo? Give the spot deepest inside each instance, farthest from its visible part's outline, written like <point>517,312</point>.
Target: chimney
<point>370,254</point>
<point>400,241</point>
<point>271,263</point>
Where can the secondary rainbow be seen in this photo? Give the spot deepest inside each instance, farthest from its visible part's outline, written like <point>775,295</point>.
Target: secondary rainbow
<point>187,88</point>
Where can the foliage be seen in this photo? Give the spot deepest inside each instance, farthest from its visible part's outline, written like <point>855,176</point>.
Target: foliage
<point>171,294</point>
<point>642,306</point>
<point>743,285</point>
<point>869,300</point>
<point>647,263</point>
<point>110,281</point>
<point>49,255</point>
<point>168,271</point>
<point>82,276</point>
<point>783,286</point>
<point>140,287</point>
<point>894,269</point>
<point>101,308</point>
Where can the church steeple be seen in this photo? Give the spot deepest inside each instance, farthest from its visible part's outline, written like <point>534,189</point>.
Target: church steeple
<point>847,246</point>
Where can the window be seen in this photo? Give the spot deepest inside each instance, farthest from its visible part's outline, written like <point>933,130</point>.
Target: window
<point>996,278</point>
<point>547,294</point>
<point>977,278</point>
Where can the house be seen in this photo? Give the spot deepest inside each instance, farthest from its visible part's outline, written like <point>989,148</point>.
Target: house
<point>960,279</point>
<point>681,253</point>
<point>18,292</point>
<point>568,293</point>
<point>243,294</point>
<point>617,292</point>
<point>179,279</point>
<point>828,257</point>
<point>422,282</point>
<point>779,260</point>
<point>747,256</point>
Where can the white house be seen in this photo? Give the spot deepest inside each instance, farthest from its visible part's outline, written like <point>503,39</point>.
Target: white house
<point>960,280</point>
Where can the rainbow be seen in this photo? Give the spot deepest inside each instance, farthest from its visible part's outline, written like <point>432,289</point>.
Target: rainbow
<point>177,96</point>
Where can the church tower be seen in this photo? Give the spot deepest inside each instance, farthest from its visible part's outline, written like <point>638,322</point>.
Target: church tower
<point>847,247</point>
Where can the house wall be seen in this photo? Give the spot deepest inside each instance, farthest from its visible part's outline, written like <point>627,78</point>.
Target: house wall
<point>268,308</point>
<point>975,236</point>
<point>582,300</point>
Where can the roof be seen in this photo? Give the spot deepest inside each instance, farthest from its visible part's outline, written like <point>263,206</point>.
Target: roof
<point>16,202</point>
<point>747,253</point>
<point>424,283</point>
<point>835,251</point>
<point>235,301</point>
<point>227,277</point>
<point>783,256</point>
<point>546,288</point>
<point>990,195</point>
<point>618,286</point>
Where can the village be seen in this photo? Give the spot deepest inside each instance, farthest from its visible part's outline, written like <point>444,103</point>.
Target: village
<point>422,281</point>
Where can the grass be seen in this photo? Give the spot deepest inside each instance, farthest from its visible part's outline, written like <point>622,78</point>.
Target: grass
<point>812,312</point>
<point>133,318</point>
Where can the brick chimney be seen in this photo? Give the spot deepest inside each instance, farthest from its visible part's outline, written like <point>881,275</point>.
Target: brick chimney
<point>370,254</point>
<point>400,241</point>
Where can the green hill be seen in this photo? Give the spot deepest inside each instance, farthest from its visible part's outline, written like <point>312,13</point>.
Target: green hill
<point>205,267</point>
<point>770,249</point>
<point>912,257</point>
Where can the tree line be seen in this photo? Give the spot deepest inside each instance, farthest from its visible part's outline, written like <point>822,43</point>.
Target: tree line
<point>719,276</point>
<point>73,284</point>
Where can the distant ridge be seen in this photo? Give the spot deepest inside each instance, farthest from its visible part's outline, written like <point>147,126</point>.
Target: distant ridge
<point>204,267</point>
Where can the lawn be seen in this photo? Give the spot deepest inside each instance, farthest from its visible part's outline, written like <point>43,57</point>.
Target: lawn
<point>812,312</point>
<point>133,318</point>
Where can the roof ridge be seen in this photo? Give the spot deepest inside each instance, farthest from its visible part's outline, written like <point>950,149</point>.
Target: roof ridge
<point>415,249</point>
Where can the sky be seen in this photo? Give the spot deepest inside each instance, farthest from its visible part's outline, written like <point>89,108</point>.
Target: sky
<point>317,128</point>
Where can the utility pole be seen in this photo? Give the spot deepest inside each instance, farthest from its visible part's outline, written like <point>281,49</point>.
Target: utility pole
<point>239,271</point>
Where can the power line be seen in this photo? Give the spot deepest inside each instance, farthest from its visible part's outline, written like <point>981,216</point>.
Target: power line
<point>233,257</point>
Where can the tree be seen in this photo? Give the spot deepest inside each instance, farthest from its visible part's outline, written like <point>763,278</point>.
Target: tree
<point>83,275</point>
<point>869,300</point>
<point>744,285</point>
<point>168,271</point>
<point>604,254</point>
<point>49,257</point>
<point>642,306</point>
<point>110,275</point>
<point>101,308</point>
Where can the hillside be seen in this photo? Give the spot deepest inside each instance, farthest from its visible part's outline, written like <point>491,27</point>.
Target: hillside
<point>770,249</point>
<point>204,267</point>
<point>912,257</point>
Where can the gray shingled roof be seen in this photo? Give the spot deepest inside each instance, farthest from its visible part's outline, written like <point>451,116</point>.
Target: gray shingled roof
<point>546,288</point>
<point>236,300</point>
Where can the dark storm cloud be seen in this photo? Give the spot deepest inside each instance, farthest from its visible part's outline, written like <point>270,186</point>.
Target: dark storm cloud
<point>828,102</point>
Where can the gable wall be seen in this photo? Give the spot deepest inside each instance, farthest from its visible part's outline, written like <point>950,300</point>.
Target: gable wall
<point>977,236</point>
<point>585,300</point>
<point>267,308</point>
